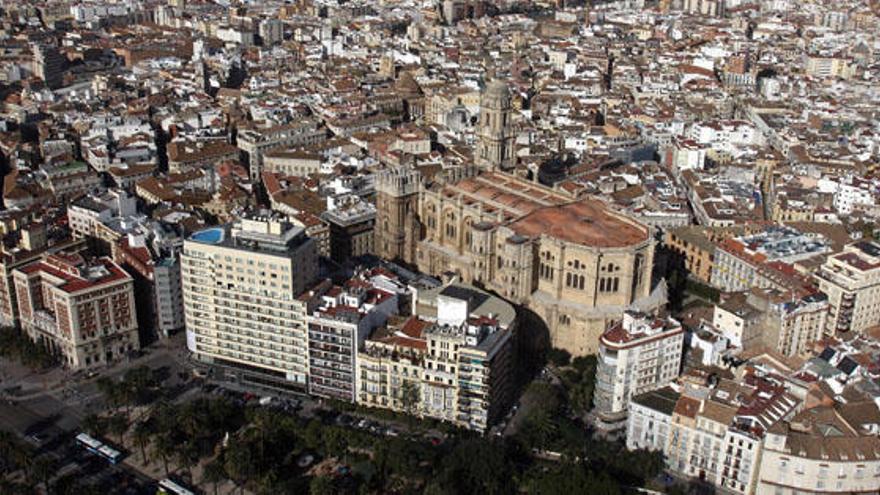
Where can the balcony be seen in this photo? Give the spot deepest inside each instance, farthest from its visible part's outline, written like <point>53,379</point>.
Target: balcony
<point>45,321</point>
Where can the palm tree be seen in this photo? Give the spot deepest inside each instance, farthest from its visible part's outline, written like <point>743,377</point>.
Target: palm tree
<point>213,473</point>
<point>186,457</point>
<point>8,445</point>
<point>188,417</point>
<point>95,425</point>
<point>117,426</point>
<point>321,485</point>
<point>142,435</point>
<point>41,471</point>
<point>239,464</point>
<point>164,447</point>
<point>263,423</point>
<point>543,427</point>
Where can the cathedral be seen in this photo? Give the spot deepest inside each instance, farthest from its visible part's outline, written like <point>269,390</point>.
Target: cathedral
<point>573,262</point>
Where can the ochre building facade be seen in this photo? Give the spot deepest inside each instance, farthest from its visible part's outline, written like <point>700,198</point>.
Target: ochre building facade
<point>574,262</point>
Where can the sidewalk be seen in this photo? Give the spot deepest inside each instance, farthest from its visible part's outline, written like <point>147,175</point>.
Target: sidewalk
<point>155,469</point>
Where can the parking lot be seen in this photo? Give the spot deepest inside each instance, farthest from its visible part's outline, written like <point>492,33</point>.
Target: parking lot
<point>310,407</point>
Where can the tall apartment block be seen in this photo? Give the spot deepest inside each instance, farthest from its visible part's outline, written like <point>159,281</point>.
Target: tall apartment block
<point>81,310</point>
<point>240,283</point>
<point>49,65</point>
<point>637,355</point>
<point>851,279</point>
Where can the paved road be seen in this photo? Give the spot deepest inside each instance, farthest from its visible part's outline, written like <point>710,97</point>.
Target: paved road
<point>56,402</point>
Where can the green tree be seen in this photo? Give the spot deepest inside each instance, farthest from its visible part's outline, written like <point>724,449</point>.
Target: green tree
<point>117,425</point>
<point>186,456</point>
<point>164,448</point>
<point>559,357</point>
<point>476,466</point>
<point>141,436</point>
<point>213,473</point>
<point>335,441</point>
<point>239,464</point>
<point>322,485</point>
<point>95,425</point>
<point>41,471</point>
<point>110,390</point>
<point>313,435</point>
<point>541,429</point>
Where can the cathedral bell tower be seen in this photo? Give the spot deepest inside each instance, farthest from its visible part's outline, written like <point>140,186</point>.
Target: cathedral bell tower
<point>495,131</point>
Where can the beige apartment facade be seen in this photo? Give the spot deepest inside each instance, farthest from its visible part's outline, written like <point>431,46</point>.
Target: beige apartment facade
<point>78,309</point>
<point>851,279</point>
<point>239,286</point>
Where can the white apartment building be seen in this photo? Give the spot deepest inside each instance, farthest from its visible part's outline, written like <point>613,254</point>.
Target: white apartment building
<point>88,212</point>
<point>852,193</point>
<point>452,361</point>
<point>826,449</point>
<point>649,420</point>
<point>851,279</point>
<point>725,136</point>
<point>240,283</point>
<point>716,432</point>
<point>637,355</point>
<point>687,154</point>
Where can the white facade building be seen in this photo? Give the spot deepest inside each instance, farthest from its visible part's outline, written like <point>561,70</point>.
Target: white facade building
<point>638,355</point>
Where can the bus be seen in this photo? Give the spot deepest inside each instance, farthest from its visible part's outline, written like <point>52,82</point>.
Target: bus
<point>109,453</point>
<point>87,442</point>
<point>170,487</point>
<point>98,448</point>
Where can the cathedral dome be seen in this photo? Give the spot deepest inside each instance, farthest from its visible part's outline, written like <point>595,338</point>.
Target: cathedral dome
<point>407,85</point>
<point>498,89</point>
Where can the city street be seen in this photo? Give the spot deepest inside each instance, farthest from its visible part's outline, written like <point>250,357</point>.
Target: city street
<point>46,410</point>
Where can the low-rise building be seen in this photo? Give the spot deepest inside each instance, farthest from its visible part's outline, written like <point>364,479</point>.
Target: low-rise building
<point>258,141</point>
<point>828,449</point>
<point>650,419</point>
<point>756,260</point>
<point>717,432</point>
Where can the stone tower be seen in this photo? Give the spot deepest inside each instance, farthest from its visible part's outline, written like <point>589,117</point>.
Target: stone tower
<point>397,202</point>
<point>494,130</point>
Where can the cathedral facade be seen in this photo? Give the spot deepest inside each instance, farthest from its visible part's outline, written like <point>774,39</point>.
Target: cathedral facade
<point>573,262</point>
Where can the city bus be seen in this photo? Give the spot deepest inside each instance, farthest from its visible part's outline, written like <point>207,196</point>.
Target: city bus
<point>170,487</point>
<point>98,448</point>
<point>87,442</point>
